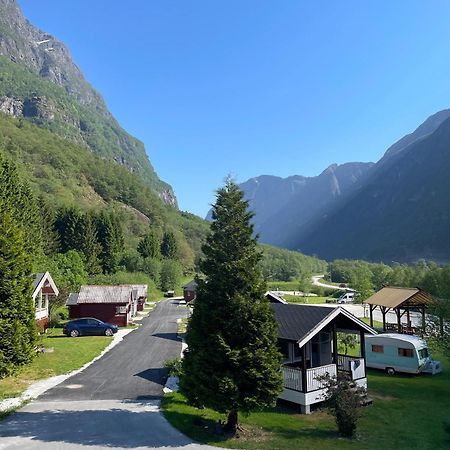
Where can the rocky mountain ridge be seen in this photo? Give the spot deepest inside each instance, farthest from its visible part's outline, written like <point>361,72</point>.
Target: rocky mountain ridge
<point>40,82</point>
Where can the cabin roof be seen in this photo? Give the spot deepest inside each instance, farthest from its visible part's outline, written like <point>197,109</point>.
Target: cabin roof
<point>72,300</point>
<point>105,294</point>
<point>393,297</point>
<point>139,290</point>
<point>273,297</point>
<point>43,279</point>
<point>301,322</point>
<point>191,286</point>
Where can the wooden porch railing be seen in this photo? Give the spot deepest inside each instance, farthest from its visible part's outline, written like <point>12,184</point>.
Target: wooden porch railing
<point>292,378</point>
<point>345,364</point>
<point>313,384</point>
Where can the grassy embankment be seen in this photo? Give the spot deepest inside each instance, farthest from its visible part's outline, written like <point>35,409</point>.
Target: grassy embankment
<point>68,354</point>
<point>408,412</point>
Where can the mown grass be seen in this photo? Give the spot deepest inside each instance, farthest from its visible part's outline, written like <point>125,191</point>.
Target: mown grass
<point>308,300</point>
<point>68,354</point>
<point>408,412</point>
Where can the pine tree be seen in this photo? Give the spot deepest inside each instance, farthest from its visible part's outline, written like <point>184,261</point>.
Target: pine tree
<point>232,363</point>
<point>149,246</point>
<point>50,237</point>
<point>69,227</point>
<point>18,330</point>
<point>169,245</point>
<point>90,246</point>
<point>108,234</point>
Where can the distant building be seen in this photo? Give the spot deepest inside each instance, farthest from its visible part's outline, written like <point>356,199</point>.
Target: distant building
<point>44,288</point>
<point>113,304</point>
<point>190,291</point>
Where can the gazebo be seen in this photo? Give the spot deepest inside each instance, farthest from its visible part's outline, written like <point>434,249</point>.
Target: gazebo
<point>401,301</point>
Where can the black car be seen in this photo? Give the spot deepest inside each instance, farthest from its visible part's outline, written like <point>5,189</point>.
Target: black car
<point>89,326</point>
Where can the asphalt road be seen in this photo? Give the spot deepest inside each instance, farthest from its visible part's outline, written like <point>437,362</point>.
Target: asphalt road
<point>114,403</point>
<point>133,370</point>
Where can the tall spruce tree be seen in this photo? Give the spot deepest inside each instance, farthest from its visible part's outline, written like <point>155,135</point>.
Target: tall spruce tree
<point>90,245</point>
<point>109,236</point>
<point>68,224</point>
<point>149,246</point>
<point>18,330</point>
<point>232,362</point>
<point>169,245</point>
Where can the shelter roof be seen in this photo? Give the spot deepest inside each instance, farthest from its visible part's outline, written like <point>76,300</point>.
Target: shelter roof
<point>393,297</point>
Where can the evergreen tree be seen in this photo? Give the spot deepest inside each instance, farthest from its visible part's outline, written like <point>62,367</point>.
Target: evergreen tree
<point>90,247</point>
<point>50,237</point>
<point>232,363</point>
<point>169,245</point>
<point>18,330</point>
<point>149,246</point>
<point>69,224</point>
<point>108,235</point>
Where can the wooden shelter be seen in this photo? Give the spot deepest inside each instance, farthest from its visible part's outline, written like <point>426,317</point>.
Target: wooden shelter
<point>401,301</point>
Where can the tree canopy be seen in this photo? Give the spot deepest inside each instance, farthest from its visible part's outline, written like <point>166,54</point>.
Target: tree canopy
<point>232,362</point>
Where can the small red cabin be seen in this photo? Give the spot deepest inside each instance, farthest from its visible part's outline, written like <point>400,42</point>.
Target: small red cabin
<point>113,304</point>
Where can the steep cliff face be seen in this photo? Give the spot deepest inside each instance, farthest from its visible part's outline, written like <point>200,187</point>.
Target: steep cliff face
<point>401,211</point>
<point>40,81</point>
<point>285,207</point>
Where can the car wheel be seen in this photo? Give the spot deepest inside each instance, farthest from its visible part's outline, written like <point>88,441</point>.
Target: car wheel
<point>74,333</point>
<point>390,371</point>
<point>108,332</point>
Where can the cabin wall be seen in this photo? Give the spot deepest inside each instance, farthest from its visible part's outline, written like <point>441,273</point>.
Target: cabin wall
<point>103,311</point>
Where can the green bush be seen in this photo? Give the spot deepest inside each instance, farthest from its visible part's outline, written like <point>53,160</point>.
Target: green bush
<point>175,367</point>
<point>58,316</point>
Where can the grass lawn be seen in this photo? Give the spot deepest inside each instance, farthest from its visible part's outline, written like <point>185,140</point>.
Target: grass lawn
<point>308,300</point>
<point>69,354</point>
<point>408,412</point>
<point>283,285</point>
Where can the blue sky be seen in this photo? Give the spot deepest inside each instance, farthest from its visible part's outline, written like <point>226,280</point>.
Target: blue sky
<point>252,87</point>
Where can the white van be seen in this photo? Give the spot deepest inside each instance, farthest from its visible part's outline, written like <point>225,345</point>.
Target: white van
<point>394,352</point>
<point>348,297</point>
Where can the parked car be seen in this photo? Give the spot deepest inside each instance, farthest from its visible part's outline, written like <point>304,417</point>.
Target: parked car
<point>348,297</point>
<point>88,326</point>
<point>394,352</point>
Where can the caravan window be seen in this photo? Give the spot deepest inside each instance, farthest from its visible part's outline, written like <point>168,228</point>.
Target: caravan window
<point>423,353</point>
<point>377,349</point>
<point>408,352</point>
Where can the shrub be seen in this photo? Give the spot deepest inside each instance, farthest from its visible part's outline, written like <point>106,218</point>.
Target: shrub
<point>175,367</point>
<point>344,399</point>
<point>58,316</point>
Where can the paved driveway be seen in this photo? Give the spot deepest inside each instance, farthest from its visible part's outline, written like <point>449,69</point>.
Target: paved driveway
<point>114,403</point>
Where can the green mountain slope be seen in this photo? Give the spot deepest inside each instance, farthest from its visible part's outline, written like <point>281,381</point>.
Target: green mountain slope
<point>65,173</point>
<point>40,82</point>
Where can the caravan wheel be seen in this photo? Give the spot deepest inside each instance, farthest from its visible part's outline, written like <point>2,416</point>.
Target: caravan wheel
<point>390,371</point>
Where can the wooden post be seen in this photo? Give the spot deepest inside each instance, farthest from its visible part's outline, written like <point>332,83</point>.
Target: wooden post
<point>399,320</point>
<point>304,367</point>
<point>383,313</point>
<point>371,315</point>
<point>423,319</point>
<point>408,320</point>
<point>362,344</point>
<point>335,345</point>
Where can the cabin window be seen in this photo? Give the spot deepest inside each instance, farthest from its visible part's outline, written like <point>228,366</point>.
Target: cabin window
<point>284,349</point>
<point>377,349</point>
<point>121,309</point>
<point>408,352</point>
<point>297,352</point>
<point>423,353</point>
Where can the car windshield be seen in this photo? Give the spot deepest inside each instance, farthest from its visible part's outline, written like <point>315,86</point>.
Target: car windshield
<point>423,353</point>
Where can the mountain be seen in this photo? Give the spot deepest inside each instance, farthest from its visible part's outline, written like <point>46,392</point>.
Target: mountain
<point>285,206</point>
<point>40,82</point>
<point>401,212</point>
